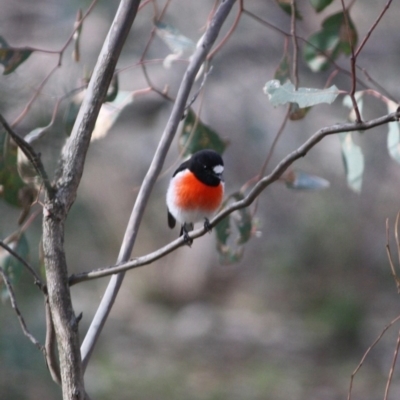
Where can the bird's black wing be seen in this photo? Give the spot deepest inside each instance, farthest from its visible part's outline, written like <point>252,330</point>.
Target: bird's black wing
<point>171,220</point>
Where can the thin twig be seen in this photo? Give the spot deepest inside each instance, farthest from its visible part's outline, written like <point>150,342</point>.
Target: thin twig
<point>353,61</point>
<point>48,76</point>
<point>295,66</point>
<point>389,254</point>
<point>268,159</point>
<point>245,202</point>
<point>229,33</point>
<point>366,354</point>
<point>194,97</point>
<point>36,277</point>
<point>367,36</point>
<point>31,154</point>
<point>390,376</point>
<point>50,346</point>
<point>14,305</point>
<point>326,55</point>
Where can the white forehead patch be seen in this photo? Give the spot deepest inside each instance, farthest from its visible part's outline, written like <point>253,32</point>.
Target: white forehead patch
<point>218,169</point>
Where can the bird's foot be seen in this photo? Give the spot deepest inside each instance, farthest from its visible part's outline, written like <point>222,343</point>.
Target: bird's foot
<point>187,239</point>
<point>207,225</point>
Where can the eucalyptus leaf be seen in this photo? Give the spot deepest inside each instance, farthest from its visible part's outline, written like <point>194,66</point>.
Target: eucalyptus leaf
<point>353,160</point>
<point>393,138</point>
<point>12,57</point>
<point>10,179</point>
<point>195,136</point>
<point>300,180</point>
<point>320,5</point>
<point>332,40</point>
<point>305,97</point>
<point>179,44</point>
<point>232,233</point>
<point>11,266</point>
<point>110,112</point>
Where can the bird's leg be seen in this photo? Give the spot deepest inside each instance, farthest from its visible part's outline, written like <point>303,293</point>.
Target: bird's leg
<point>185,233</point>
<point>207,225</point>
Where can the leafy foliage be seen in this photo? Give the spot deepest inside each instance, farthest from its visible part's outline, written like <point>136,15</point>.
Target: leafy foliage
<point>233,232</point>
<point>393,138</point>
<point>177,43</point>
<point>305,97</point>
<point>301,180</point>
<point>196,135</point>
<point>330,42</point>
<point>10,179</point>
<point>11,266</point>
<point>12,57</point>
<point>320,5</point>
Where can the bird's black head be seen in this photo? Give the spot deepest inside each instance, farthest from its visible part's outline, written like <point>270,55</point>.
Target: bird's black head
<point>208,166</point>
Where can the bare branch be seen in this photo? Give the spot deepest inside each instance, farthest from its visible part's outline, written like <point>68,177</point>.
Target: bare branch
<point>196,61</point>
<point>14,305</point>
<point>251,196</point>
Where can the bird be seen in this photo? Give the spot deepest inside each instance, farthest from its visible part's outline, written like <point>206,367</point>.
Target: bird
<point>195,191</point>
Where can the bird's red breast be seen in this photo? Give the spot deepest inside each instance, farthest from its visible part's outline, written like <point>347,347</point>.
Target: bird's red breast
<point>192,194</point>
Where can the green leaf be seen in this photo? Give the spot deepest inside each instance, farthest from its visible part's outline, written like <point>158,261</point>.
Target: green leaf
<point>331,40</point>
<point>320,5</point>
<point>305,97</point>
<point>11,266</point>
<point>197,136</point>
<point>12,57</point>
<point>353,160</point>
<point>238,224</point>
<point>286,6</point>
<point>282,73</point>
<point>300,180</point>
<point>393,138</point>
<point>10,179</point>
<point>179,44</point>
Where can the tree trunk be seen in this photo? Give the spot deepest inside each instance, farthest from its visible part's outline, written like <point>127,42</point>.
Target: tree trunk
<point>64,319</point>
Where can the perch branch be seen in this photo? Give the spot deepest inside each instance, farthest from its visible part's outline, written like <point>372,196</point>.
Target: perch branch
<point>250,197</point>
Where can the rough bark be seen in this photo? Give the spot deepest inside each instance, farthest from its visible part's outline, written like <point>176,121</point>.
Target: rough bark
<point>59,199</point>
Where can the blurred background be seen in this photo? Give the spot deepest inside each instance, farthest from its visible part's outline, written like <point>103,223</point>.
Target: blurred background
<point>313,290</point>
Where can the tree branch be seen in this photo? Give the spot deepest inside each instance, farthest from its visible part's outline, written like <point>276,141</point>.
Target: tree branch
<point>197,59</point>
<point>251,196</point>
<point>56,208</point>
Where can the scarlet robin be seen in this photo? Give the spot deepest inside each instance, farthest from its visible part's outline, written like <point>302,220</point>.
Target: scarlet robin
<point>195,191</point>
